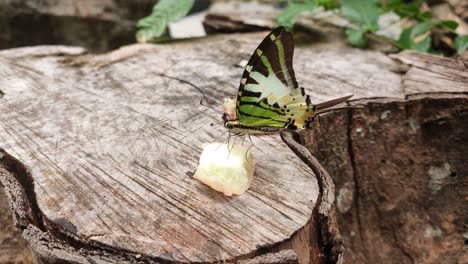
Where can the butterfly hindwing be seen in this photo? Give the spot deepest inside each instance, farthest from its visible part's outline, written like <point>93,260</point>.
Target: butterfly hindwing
<point>268,94</point>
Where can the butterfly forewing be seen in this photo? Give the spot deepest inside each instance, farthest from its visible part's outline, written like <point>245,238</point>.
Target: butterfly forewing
<point>268,94</point>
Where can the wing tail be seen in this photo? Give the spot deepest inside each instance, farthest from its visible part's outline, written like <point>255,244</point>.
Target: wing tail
<point>327,106</point>
<point>331,103</point>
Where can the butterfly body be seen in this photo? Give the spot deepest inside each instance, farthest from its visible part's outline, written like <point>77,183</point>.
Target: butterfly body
<point>238,128</point>
<point>269,99</point>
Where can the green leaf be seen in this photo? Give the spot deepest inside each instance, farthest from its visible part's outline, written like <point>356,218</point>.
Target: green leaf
<point>356,37</point>
<point>408,9</point>
<point>152,27</point>
<point>417,37</point>
<point>425,16</point>
<point>288,16</point>
<point>402,8</point>
<point>405,38</point>
<point>461,43</point>
<point>421,28</point>
<point>363,13</point>
<point>423,45</point>
<point>327,4</point>
<point>448,24</point>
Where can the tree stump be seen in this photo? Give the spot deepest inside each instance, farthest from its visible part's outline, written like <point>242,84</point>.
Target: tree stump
<point>399,164</point>
<point>14,248</point>
<point>98,152</point>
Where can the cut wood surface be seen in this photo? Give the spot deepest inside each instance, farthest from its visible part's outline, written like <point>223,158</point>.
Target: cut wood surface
<point>112,143</point>
<point>107,144</point>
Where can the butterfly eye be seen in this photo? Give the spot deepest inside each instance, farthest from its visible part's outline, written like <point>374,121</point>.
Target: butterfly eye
<point>228,125</point>
<point>225,117</point>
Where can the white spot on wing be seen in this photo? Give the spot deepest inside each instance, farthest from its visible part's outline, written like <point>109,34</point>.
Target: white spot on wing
<point>270,86</point>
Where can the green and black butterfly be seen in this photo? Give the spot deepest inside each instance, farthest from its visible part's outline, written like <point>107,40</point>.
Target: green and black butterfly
<point>269,98</point>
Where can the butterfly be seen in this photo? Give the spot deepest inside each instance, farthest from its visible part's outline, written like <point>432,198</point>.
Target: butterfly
<point>269,99</point>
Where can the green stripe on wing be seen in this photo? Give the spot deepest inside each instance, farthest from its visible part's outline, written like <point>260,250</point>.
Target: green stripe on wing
<point>268,94</point>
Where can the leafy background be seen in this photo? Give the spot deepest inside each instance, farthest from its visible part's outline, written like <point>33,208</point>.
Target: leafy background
<point>363,16</point>
<point>421,32</point>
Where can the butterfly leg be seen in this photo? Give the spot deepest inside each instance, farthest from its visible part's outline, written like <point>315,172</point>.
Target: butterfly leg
<point>224,142</point>
<point>233,143</point>
<point>229,139</point>
<point>250,147</point>
<point>243,139</point>
<point>251,141</point>
<point>222,135</point>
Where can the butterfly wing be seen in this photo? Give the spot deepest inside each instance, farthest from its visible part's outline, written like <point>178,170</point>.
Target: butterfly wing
<point>269,94</point>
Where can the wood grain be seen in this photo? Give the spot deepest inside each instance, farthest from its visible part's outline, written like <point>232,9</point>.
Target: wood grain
<point>112,145</point>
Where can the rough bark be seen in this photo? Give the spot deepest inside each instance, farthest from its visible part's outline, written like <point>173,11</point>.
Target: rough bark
<point>400,170</point>
<point>399,165</point>
<point>13,249</point>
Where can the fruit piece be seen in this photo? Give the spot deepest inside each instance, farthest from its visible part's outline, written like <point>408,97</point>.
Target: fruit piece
<point>227,169</point>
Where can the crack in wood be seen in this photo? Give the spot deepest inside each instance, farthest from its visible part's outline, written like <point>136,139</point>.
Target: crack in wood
<point>349,137</point>
<point>330,238</point>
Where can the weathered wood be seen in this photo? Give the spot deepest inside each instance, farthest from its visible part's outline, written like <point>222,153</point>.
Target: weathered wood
<point>240,17</point>
<point>13,249</point>
<point>418,73</point>
<point>106,146</point>
<point>282,257</point>
<point>111,142</point>
<point>399,165</point>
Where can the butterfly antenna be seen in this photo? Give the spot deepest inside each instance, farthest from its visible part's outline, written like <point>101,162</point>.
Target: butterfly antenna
<point>243,139</point>
<point>224,142</point>
<point>208,103</point>
<point>218,123</point>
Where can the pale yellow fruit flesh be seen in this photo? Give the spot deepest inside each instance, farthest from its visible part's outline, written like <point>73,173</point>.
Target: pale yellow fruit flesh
<point>227,169</point>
